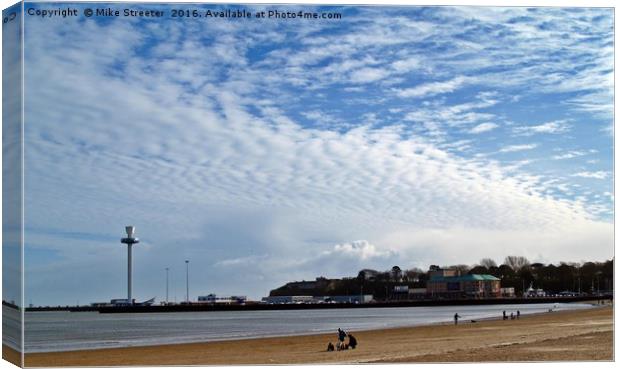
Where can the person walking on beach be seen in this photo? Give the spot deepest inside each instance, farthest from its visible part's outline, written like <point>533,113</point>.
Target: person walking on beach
<point>518,314</point>
<point>456,318</point>
<point>504,315</point>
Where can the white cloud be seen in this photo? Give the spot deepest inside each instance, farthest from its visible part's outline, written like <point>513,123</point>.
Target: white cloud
<point>483,127</point>
<point>600,102</point>
<point>422,247</point>
<point>437,117</point>
<point>323,120</point>
<point>570,155</point>
<point>362,250</point>
<point>558,126</point>
<point>242,261</point>
<point>609,129</point>
<point>368,75</point>
<point>595,175</point>
<point>513,148</point>
<point>433,88</point>
<point>406,65</point>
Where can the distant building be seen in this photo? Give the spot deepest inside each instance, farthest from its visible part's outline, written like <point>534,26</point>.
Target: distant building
<point>214,299</point>
<point>507,291</point>
<point>123,302</point>
<point>534,292</point>
<point>288,299</point>
<point>351,299</point>
<point>447,283</point>
<point>401,289</point>
<point>400,292</point>
<point>417,293</point>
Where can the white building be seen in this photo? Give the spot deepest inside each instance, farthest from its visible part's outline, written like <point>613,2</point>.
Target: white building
<point>214,299</point>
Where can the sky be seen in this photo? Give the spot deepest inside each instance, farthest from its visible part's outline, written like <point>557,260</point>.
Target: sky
<point>11,161</point>
<point>266,151</point>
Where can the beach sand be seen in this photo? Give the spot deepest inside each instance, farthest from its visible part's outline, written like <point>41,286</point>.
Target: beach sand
<point>11,355</point>
<point>582,335</point>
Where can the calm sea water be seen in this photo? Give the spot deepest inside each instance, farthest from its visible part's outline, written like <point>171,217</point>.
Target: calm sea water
<point>61,331</point>
<point>11,327</point>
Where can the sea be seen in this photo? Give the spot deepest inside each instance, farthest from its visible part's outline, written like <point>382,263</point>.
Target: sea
<point>63,330</point>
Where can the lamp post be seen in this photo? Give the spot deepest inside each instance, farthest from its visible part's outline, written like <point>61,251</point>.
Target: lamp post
<point>362,293</point>
<point>129,241</point>
<point>187,280</point>
<point>167,286</point>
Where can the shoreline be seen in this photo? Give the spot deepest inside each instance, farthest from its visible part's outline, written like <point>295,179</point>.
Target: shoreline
<point>593,304</point>
<point>406,344</point>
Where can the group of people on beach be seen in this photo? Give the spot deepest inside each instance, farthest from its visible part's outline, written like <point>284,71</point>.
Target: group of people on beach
<point>342,335</point>
<point>512,315</point>
<point>341,345</point>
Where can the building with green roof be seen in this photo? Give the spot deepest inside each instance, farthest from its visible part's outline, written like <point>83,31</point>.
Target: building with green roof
<point>448,284</point>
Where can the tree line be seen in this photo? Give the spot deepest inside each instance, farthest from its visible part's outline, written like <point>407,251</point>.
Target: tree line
<point>516,272</point>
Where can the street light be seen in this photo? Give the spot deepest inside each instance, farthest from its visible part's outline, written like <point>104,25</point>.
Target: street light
<point>187,279</point>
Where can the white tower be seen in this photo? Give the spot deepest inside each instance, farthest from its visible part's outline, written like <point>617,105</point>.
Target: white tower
<point>129,240</point>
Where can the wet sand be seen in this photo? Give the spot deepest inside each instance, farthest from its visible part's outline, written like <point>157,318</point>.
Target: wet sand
<point>569,335</point>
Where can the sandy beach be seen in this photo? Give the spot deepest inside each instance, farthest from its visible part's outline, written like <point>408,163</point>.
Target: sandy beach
<point>569,335</point>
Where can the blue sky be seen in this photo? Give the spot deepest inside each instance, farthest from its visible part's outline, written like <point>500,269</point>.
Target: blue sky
<point>266,151</point>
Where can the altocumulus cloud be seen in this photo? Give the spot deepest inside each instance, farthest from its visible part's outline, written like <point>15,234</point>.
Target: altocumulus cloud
<point>218,167</point>
<point>483,127</point>
<point>554,127</point>
<point>597,175</point>
<point>513,148</point>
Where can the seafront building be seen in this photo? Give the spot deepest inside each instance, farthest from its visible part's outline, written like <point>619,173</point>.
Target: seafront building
<point>447,283</point>
<point>351,299</point>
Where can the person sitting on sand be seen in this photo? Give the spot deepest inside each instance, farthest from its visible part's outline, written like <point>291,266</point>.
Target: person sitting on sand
<point>330,347</point>
<point>341,336</point>
<point>352,342</point>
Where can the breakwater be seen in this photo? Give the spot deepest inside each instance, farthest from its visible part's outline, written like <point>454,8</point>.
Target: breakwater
<point>260,307</point>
